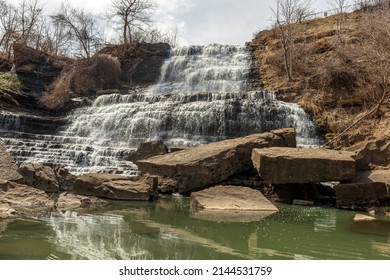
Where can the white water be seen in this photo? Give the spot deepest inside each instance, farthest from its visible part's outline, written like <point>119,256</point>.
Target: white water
<point>186,119</point>
<point>202,97</point>
<point>196,69</point>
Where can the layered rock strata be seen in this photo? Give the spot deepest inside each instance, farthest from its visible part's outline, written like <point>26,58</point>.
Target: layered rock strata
<point>289,165</point>
<point>116,187</point>
<point>196,168</point>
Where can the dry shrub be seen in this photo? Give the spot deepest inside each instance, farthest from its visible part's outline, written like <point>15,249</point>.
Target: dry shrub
<point>274,62</point>
<point>82,78</point>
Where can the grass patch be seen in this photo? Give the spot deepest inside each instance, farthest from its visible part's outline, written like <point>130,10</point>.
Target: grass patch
<point>83,78</point>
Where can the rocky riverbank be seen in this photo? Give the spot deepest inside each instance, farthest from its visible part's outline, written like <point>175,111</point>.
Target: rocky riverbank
<point>28,190</point>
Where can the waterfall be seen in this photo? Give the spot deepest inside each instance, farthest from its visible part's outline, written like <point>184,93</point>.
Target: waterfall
<point>185,119</point>
<point>201,97</point>
<point>195,69</point>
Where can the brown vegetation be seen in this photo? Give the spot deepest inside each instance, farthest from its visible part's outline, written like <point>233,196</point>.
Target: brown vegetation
<point>343,81</point>
<point>82,78</point>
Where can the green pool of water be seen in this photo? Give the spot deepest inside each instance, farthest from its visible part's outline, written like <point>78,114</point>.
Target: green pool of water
<point>168,229</point>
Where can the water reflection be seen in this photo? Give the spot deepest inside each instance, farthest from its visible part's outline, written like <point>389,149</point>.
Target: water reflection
<point>167,229</point>
<point>382,248</point>
<point>326,223</point>
<point>99,237</point>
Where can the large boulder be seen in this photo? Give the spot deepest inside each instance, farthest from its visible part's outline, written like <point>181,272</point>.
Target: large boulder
<point>231,203</point>
<point>360,196</point>
<point>372,154</point>
<point>148,149</point>
<point>367,189</point>
<point>8,168</point>
<point>363,218</point>
<point>116,187</point>
<point>70,201</point>
<point>39,176</point>
<point>290,165</point>
<point>24,199</point>
<point>197,168</point>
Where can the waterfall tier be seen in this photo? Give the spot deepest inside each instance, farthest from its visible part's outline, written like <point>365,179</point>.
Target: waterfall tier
<point>185,119</point>
<point>214,68</point>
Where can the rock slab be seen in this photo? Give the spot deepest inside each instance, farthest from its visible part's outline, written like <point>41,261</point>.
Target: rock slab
<point>197,168</point>
<point>116,187</point>
<point>231,204</point>
<point>231,198</point>
<point>24,199</point>
<point>370,188</point>
<point>290,165</point>
<point>8,168</point>
<point>71,201</point>
<point>363,218</point>
<point>39,176</point>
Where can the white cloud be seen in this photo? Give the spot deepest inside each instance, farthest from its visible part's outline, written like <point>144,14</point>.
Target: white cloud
<point>201,21</point>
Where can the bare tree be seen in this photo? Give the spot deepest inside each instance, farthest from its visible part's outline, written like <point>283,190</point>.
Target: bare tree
<point>340,7</point>
<point>57,38</point>
<point>81,26</point>
<point>132,16</point>
<point>288,14</point>
<point>156,35</point>
<point>8,27</point>
<point>30,20</point>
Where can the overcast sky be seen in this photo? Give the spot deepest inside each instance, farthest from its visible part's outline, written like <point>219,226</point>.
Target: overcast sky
<point>202,22</point>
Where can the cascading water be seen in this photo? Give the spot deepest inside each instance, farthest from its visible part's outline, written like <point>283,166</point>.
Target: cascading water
<point>202,97</point>
<point>197,69</point>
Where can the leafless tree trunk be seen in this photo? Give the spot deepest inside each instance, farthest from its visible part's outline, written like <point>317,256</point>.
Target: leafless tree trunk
<point>9,26</point>
<point>340,6</point>
<point>132,16</point>
<point>288,14</point>
<point>30,17</point>
<point>82,27</point>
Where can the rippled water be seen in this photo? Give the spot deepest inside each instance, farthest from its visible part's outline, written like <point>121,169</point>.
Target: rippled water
<point>168,229</point>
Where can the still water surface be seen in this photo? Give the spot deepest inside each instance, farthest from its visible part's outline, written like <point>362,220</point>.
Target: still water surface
<point>168,229</point>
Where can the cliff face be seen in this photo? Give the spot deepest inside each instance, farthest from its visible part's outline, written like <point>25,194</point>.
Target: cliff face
<point>36,70</point>
<point>140,63</point>
<point>339,74</point>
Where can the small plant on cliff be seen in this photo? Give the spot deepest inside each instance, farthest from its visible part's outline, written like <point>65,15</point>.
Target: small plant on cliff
<point>82,78</point>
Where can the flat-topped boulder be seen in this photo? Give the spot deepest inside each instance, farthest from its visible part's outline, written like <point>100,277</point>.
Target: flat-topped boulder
<point>117,187</point>
<point>203,166</point>
<point>366,189</point>
<point>231,203</point>
<point>71,201</point>
<point>291,165</point>
<point>363,218</point>
<point>8,168</point>
<point>24,199</point>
